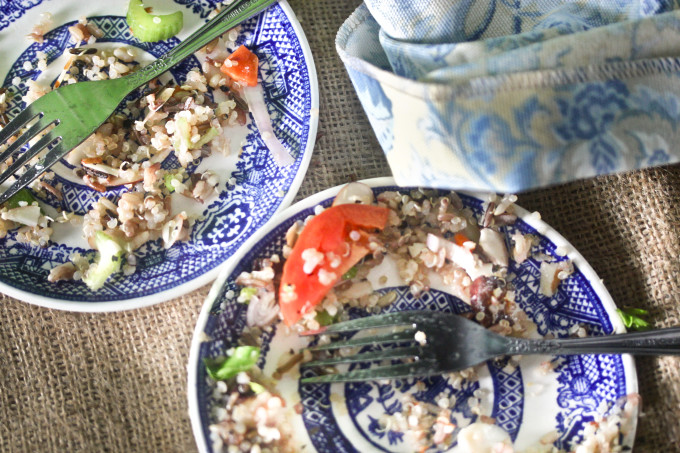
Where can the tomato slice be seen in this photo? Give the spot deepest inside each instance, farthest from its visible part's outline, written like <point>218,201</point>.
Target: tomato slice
<point>338,238</point>
<point>460,239</point>
<point>245,69</point>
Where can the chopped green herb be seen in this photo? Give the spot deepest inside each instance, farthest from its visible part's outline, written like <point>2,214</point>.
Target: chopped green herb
<point>22,195</point>
<point>246,294</point>
<point>635,311</point>
<point>243,359</point>
<point>350,274</point>
<point>631,318</point>
<point>256,388</point>
<point>324,318</point>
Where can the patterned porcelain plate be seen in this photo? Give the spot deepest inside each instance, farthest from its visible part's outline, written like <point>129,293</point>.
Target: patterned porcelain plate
<point>526,403</point>
<point>252,187</point>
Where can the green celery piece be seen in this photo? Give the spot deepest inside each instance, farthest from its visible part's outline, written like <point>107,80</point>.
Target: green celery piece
<point>22,195</point>
<point>110,257</point>
<point>246,293</point>
<point>151,27</point>
<point>256,388</point>
<point>168,178</point>
<point>243,359</point>
<point>212,133</point>
<point>182,133</point>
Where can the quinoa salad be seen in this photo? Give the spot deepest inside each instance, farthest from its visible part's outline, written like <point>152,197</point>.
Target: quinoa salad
<point>199,117</point>
<point>347,259</point>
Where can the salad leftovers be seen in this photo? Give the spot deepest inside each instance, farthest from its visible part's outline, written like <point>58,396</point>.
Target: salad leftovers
<point>123,160</point>
<point>336,262</point>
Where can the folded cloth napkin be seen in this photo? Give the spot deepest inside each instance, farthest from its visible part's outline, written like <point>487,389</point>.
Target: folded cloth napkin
<point>508,95</point>
<point>451,41</point>
<point>445,21</point>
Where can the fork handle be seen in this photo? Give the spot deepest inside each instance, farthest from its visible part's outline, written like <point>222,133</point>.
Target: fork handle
<point>651,342</point>
<point>228,18</point>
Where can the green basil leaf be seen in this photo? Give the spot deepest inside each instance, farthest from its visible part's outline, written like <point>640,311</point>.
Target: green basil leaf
<point>22,195</point>
<point>350,274</point>
<point>324,318</point>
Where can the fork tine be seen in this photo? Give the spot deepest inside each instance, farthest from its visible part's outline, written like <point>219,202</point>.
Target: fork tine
<point>390,354</point>
<point>28,155</point>
<point>33,172</point>
<point>375,339</point>
<point>17,123</point>
<point>21,141</point>
<point>384,320</point>
<point>426,367</point>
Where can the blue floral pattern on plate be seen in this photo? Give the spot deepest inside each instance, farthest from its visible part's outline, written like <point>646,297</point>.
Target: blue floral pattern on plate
<point>582,385</point>
<point>12,10</point>
<point>257,187</point>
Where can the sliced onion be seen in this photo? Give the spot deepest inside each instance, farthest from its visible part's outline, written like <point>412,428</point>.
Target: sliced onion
<point>354,192</point>
<point>220,52</point>
<point>493,246</point>
<point>522,248</point>
<point>255,98</point>
<point>115,182</point>
<point>460,256</point>
<point>357,290</point>
<point>262,309</point>
<point>549,278</point>
<point>26,215</point>
<point>172,230</point>
<point>101,168</point>
<point>160,157</point>
<point>480,436</point>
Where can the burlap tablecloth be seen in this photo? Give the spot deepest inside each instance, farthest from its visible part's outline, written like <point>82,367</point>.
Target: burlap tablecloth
<point>117,381</point>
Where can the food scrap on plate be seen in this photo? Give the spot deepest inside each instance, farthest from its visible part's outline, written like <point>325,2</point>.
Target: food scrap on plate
<point>345,258</point>
<point>184,121</point>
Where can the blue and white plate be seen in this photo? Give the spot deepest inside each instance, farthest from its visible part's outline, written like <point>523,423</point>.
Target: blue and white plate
<point>252,187</point>
<point>527,403</point>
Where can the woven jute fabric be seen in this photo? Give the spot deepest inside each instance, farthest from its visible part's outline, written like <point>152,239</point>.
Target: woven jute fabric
<point>72,382</point>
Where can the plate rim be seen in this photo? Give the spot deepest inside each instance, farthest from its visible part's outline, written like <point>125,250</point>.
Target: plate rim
<point>534,221</point>
<point>108,306</point>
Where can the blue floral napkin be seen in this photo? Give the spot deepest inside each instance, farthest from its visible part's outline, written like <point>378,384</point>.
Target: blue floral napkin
<point>515,94</point>
<point>449,41</point>
<point>445,21</point>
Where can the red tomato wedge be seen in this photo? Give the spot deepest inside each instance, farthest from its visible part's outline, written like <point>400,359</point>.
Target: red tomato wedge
<point>245,69</point>
<point>327,237</point>
<point>460,239</point>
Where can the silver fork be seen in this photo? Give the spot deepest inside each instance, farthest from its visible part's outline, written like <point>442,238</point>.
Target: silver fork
<point>77,110</point>
<point>434,343</point>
